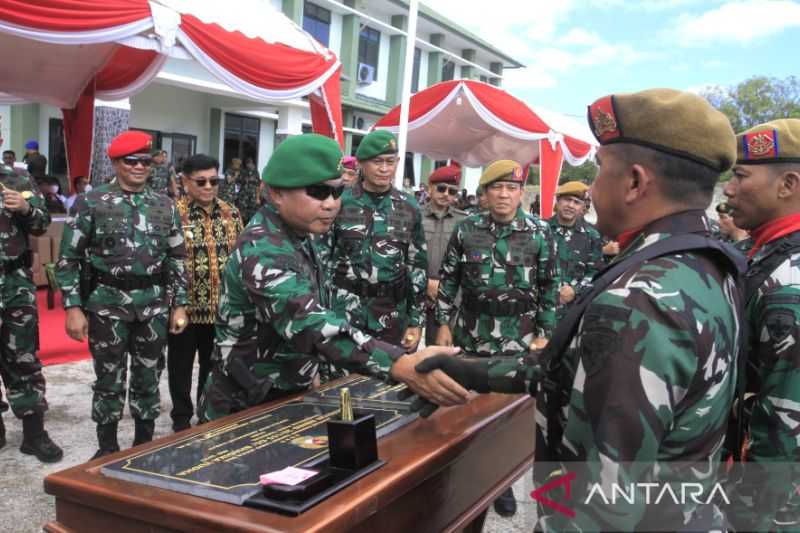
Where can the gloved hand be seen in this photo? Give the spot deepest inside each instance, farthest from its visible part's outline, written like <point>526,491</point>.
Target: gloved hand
<point>256,389</point>
<point>472,374</point>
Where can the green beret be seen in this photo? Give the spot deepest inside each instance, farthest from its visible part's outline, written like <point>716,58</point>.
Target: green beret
<point>303,160</point>
<point>673,122</point>
<point>777,141</point>
<point>573,188</point>
<point>505,170</point>
<point>375,143</point>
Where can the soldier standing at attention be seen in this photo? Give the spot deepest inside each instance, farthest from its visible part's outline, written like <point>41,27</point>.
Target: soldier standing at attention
<point>162,174</point>
<point>132,240</point>
<point>230,186</point>
<point>502,262</point>
<point>275,325</point>
<point>248,192</point>
<point>579,246</point>
<point>439,218</point>
<point>22,213</point>
<point>764,197</point>
<point>637,381</point>
<point>377,250</point>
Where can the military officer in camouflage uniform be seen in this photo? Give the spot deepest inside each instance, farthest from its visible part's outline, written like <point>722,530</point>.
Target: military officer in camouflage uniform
<point>248,193</point>
<point>275,325</point>
<point>124,241</point>
<point>645,378</point>
<point>162,174</point>
<point>502,263</point>
<point>579,246</point>
<point>229,188</point>
<point>377,250</point>
<point>439,218</point>
<point>764,197</point>
<point>22,213</point>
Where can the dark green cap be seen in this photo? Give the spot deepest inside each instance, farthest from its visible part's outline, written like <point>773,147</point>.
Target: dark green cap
<point>303,160</point>
<point>376,143</point>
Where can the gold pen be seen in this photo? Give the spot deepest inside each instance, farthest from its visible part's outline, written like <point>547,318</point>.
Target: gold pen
<point>346,405</point>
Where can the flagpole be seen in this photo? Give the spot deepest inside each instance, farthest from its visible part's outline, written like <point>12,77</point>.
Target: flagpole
<point>411,39</point>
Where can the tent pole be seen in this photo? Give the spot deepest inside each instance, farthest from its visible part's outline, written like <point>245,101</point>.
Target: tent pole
<point>411,38</point>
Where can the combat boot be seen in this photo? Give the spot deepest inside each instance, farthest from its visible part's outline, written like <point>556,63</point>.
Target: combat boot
<point>143,431</point>
<point>2,432</point>
<point>106,440</point>
<point>506,505</point>
<point>36,441</point>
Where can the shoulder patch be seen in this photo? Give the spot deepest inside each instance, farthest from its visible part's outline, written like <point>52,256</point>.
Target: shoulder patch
<point>779,324</point>
<point>597,344</point>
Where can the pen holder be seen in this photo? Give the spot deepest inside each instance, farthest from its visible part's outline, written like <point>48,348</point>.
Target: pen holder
<point>352,445</point>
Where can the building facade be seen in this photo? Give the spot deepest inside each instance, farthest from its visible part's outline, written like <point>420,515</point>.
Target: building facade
<point>187,110</point>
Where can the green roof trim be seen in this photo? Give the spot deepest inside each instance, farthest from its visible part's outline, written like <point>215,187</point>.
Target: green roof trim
<point>436,17</point>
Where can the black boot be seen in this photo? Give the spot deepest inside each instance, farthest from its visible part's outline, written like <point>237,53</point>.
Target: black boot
<point>36,441</point>
<point>2,432</point>
<point>106,440</point>
<point>143,431</point>
<point>506,505</point>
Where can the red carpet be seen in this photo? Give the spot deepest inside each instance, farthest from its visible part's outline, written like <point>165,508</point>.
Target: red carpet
<point>55,347</point>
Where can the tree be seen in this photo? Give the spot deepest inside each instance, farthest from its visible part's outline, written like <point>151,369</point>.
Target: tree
<point>585,173</point>
<point>756,100</point>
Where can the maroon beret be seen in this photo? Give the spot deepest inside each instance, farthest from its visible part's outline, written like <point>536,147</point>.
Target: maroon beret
<point>450,174</point>
<point>130,142</point>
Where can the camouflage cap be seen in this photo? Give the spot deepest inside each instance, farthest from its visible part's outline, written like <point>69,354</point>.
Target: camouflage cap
<point>375,143</point>
<point>777,141</point>
<point>303,160</point>
<point>573,188</point>
<point>502,170</point>
<point>673,122</point>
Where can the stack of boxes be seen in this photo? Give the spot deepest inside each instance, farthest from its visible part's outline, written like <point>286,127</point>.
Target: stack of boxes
<point>46,249</point>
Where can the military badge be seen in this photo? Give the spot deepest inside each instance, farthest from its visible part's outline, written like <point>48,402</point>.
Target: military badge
<point>392,145</point>
<point>517,174</point>
<point>779,324</point>
<point>761,144</point>
<point>603,119</point>
<point>311,442</point>
<point>597,344</point>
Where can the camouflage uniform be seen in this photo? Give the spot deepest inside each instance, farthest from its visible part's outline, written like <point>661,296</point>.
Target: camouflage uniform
<point>230,187</point>
<point>773,318</point>
<point>128,237</point>
<point>579,255</point>
<point>248,193</point>
<point>160,178</point>
<point>505,273</point>
<point>19,329</point>
<point>648,379</point>
<point>378,259</point>
<point>274,323</point>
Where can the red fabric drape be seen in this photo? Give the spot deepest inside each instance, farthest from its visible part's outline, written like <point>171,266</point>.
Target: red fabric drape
<point>73,15</point>
<point>550,161</point>
<point>421,103</point>
<point>326,109</point>
<point>79,134</point>
<point>507,108</point>
<point>271,66</point>
<point>125,66</point>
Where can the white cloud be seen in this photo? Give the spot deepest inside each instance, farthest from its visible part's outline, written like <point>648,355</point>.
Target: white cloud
<point>736,22</point>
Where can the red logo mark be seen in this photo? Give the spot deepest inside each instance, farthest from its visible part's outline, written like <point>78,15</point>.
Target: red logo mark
<point>565,480</point>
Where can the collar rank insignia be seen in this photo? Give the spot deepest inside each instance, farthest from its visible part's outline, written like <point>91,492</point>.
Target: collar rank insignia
<point>604,120</point>
<point>761,144</point>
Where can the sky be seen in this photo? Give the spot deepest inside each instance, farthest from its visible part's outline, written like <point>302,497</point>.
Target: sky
<point>576,51</point>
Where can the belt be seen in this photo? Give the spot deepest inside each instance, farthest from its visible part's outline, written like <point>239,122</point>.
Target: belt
<point>495,307</point>
<point>396,289</point>
<point>130,283</point>
<point>24,260</point>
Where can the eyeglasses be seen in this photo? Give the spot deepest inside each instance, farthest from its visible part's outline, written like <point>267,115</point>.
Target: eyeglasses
<point>202,182</point>
<point>132,161</point>
<point>452,191</point>
<point>321,192</point>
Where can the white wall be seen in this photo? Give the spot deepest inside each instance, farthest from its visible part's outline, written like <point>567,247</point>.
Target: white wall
<point>266,142</point>
<point>378,89</point>
<point>277,4</point>
<point>172,110</point>
<point>423,70</point>
<point>5,130</point>
<point>335,42</point>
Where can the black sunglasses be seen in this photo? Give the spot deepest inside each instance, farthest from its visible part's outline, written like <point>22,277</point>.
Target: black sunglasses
<point>202,182</point>
<point>452,191</point>
<point>132,160</point>
<point>321,192</point>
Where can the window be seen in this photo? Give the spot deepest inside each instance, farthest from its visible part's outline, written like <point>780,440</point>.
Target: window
<point>369,43</point>
<point>241,138</point>
<point>415,72</point>
<point>317,22</point>
<point>448,71</point>
<point>57,163</point>
<point>484,79</point>
<point>179,146</point>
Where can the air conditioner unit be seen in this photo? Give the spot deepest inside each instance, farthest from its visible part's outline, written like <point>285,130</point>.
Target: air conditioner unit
<point>366,74</point>
<point>360,123</point>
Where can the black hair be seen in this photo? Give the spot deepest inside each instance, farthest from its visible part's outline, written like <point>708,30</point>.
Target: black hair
<point>198,162</point>
<point>681,180</point>
<point>12,152</point>
<point>75,181</point>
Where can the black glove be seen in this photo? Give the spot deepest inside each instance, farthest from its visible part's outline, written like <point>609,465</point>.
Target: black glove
<point>256,389</point>
<point>470,374</point>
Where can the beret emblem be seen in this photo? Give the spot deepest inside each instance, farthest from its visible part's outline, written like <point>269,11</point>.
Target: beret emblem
<point>761,144</point>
